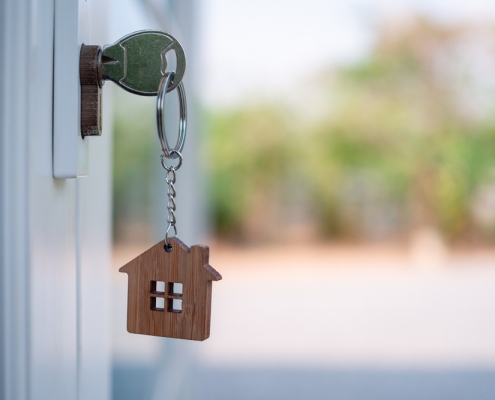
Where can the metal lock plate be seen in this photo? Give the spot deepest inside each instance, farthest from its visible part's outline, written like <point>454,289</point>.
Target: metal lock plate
<point>137,62</point>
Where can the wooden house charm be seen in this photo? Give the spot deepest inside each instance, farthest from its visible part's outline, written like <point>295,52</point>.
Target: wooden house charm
<point>170,292</point>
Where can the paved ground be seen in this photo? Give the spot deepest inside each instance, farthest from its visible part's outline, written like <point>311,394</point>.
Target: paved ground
<point>319,322</point>
<point>343,384</point>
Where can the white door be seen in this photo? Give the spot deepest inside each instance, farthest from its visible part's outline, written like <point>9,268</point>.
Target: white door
<point>55,233</point>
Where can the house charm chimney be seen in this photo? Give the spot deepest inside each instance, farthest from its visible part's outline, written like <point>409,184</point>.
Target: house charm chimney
<point>169,292</point>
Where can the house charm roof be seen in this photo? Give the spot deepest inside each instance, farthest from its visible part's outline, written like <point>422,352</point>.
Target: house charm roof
<point>170,292</point>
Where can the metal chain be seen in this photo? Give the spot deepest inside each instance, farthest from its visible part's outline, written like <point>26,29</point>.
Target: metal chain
<point>170,176</point>
<point>170,179</point>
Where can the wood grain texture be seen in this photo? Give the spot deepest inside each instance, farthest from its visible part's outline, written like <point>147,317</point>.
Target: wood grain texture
<point>185,265</point>
<point>91,83</point>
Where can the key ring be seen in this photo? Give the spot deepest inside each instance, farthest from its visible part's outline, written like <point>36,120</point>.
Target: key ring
<point>160,105</point>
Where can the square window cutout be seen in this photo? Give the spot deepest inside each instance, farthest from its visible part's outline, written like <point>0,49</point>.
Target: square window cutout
<point>158,303</point>
<point>175,305</point>
<point>175,289</point>
<point>158,287</point>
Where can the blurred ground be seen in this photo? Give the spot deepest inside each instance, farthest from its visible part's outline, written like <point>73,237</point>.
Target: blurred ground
<point>341,322</point>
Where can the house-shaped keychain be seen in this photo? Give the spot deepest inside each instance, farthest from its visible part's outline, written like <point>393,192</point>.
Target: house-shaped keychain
<point>170,292</point>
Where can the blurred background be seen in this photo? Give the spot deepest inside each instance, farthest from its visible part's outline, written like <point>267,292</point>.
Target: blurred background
<point>340,164</point>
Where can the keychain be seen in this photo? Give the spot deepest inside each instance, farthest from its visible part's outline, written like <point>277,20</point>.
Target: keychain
<point>170,284</point>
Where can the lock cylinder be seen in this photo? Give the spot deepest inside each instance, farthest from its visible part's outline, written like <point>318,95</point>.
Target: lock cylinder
<point>91,79</point>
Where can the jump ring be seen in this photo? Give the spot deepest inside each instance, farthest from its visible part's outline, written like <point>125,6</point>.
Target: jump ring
<point>166,81</point>
<point>168,229</point>
<point>172,168</point>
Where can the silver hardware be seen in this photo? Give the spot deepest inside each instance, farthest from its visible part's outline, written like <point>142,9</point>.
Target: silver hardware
<point>168,81</point>
<point>137,62</point>
<point>170,178</point>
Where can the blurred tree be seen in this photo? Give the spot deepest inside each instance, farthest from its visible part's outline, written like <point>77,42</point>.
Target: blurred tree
<point>400,117</point>
<point>406,140</point>
<point>250,153</point>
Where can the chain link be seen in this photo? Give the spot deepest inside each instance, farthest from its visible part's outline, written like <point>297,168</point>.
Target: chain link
<point>170,179</point>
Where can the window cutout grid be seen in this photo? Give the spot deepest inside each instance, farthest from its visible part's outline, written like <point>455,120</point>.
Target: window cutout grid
<point>158,303</point>
<point>157,287</point>
<point>175,289</point>
<point>174,305</point>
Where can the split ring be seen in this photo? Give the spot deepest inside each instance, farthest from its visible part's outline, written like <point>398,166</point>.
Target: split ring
<point>165,83</point>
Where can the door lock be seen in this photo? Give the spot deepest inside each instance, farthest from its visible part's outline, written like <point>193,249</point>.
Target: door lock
<point>137,62</point>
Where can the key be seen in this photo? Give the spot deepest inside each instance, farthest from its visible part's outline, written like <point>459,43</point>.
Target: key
<point>138,61</point>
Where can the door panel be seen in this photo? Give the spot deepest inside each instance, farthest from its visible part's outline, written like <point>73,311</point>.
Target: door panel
<point>94,235</point>
<point>55,236</point>
<point>70,150</point>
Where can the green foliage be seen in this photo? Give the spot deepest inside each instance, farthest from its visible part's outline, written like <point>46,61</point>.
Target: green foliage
<point>134,147</point>
<point>250,149</point>
<point>392,119</point>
